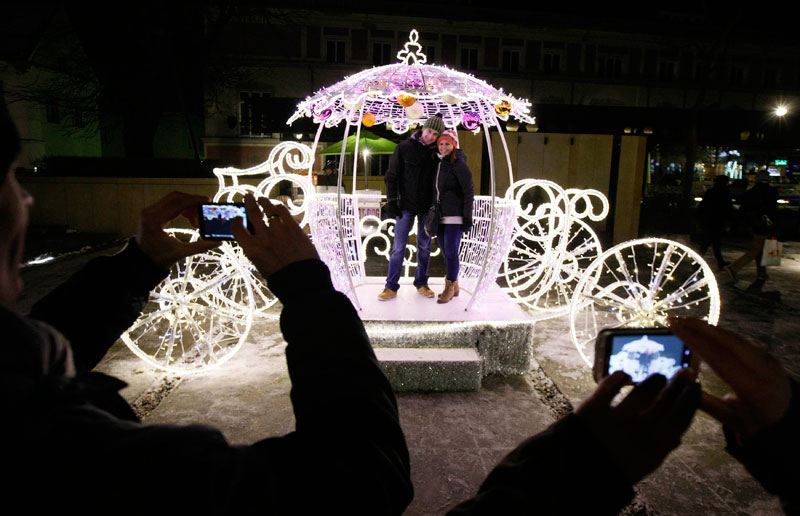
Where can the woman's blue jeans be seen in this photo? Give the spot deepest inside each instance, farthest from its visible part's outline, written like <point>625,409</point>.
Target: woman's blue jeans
<point>449,236</point>
<point>402,228</point>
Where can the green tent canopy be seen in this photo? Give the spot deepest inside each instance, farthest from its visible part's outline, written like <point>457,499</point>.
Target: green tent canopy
<point>367,140</point>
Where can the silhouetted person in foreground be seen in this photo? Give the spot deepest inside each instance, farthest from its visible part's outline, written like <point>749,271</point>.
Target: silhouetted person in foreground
<point>70,442</point>
<point>714,212</point>
<point>588,462</point>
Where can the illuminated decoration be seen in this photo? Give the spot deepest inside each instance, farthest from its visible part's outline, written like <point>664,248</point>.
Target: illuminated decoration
<point>386,90</point>
<point>415,112</point>
<point>368,120</point>
<point>406,100</point>
<point>202,312</point>
<point>471,121</point>
<point>640,283</point>
<point>553,246</point>
<point>503,109</point>
<point>536,240</point>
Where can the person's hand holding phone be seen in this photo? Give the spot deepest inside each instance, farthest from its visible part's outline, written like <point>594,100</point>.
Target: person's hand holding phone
<point>761,388</point>
<point>275,242</point>
<point>647,425</point>
<point>156,243</point>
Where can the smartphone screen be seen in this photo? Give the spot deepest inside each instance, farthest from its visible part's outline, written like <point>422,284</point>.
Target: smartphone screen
<point>215,220</point>
<point>642,352</point>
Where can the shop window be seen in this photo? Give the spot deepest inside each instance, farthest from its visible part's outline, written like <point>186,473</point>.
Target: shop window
<point>382,54</point>
<point>469,58</point>
<point>510,61</point>
<point>551,62</point>
<point>770,78</point>
<point>609,66</point>
<point>254,113</point>
<point>667,71</point>
<point>737,75</point>
<point>335,51</point>
<point>430,53</point>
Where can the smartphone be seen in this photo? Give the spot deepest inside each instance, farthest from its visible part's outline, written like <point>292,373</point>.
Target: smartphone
<point>216,217</point>
<point>640,352</point>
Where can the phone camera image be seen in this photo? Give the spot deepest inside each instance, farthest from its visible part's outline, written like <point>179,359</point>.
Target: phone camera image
<point>643,355</point>
<point>216,218</point>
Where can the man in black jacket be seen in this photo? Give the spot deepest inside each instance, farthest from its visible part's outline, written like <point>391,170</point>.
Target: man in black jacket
<point>409,193</point>
<point>69,440</point>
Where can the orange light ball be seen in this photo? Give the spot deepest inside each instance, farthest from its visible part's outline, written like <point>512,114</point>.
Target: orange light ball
<point>368,119</point>
<point>406,100</point>
<point>503,108</point>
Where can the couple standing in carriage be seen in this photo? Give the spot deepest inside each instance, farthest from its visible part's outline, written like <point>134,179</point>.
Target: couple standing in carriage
<point>428,170</point>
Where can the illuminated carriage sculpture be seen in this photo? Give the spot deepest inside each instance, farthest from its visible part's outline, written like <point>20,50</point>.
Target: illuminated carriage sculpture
<point>535,241</point>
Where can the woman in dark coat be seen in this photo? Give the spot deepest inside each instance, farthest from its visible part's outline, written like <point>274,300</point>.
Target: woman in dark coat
<point>454,191</point>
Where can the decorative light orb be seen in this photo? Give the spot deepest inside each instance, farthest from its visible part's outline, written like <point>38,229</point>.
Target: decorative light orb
<point>321,114</point>
<point>450,99</point>
<point>368,119</point>
<point>503,108</point>
<point>415,111</point>
<point>406,100</point>
<point>471,121</point>
<point>352,101</point>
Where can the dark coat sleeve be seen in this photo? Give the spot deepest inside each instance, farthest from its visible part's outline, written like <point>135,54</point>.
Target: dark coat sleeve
<point>99,302</point>
<point>394,174</point>
<point>464,176</point>
<point>773,454</point>
<point>347,452</point>
<point>540,477</point>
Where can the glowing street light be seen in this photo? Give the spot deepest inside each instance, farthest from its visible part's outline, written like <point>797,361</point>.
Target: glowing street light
<point>781,111</point>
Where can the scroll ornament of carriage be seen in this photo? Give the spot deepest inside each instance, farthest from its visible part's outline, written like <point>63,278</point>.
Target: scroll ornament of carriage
<point>536,241</point>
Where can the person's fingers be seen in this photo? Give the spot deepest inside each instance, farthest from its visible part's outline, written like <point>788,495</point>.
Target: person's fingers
<point>642,395</point>
<point>726,352</point>
<point>173,204</point>
<point>267,206</point>
<point>673,410</point>
<point>605,391</point>
<point>254,215</point>
<point>286,217</point>
<point>242,236</point>
<point>718,408</point>
<point>755,375</point>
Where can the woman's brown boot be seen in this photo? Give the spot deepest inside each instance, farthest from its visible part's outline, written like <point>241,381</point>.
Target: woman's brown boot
<point>456,290</point>
<point>449,292</point>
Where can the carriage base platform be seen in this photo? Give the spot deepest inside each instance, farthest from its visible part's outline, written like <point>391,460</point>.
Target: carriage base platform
<point>426,346</point>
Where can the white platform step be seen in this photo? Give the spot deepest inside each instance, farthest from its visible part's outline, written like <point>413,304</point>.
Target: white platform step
<point>431,369</point>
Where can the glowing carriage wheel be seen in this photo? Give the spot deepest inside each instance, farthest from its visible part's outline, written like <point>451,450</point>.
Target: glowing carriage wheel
<point>640,283</point>
<point>541,273</point>
<point>199,316</point>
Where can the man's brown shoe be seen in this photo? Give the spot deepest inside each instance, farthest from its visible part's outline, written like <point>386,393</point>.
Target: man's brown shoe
<point>425,291</point>
<point>387,294</point>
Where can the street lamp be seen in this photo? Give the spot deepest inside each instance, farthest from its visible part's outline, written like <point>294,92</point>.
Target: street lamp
<point>781,111</point>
